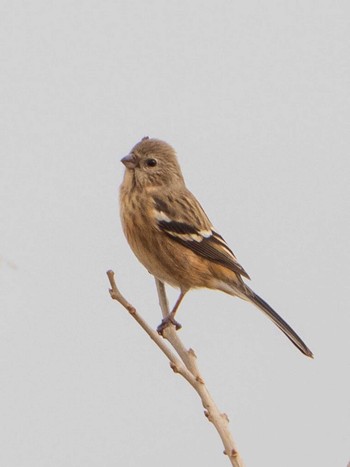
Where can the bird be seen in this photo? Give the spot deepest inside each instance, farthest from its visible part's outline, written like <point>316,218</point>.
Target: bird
<point>171,235</point>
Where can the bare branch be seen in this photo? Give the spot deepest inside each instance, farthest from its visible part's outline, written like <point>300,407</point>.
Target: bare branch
<point>186,365</point>
<point>219,420</point>
<point>175,363</point>
<point>163,299</point>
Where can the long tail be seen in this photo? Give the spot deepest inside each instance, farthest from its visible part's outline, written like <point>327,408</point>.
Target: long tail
<point>284,327</point>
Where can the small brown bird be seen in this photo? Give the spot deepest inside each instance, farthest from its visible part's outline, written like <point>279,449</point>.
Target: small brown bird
<point>172,237</point>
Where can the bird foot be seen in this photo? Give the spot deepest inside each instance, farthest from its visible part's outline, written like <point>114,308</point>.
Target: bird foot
<point>167,322</point>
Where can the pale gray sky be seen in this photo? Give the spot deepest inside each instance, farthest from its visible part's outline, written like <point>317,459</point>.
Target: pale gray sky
<point>255,97</point>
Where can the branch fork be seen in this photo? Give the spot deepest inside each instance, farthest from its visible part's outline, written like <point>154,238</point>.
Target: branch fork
<point>184,362</point>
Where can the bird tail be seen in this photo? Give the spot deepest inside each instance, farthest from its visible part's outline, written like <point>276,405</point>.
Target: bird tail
<point>284,327</point>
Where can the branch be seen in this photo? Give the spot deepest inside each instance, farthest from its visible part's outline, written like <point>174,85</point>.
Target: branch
<point>175,363</point>
<point>185,364</point>
<point>189,358</point>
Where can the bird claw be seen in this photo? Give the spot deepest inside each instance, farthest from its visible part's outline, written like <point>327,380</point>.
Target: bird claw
<point>167,322</point>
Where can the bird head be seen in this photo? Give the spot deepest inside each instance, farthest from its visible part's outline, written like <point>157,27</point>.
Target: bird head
<point>152,162</point>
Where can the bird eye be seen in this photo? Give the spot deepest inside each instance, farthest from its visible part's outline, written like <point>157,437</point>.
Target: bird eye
<point>151,162</point>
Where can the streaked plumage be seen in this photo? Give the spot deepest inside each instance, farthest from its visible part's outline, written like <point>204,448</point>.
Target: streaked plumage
<point>171,235</point>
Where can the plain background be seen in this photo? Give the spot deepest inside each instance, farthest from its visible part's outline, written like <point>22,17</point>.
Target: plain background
<point>254,96</point>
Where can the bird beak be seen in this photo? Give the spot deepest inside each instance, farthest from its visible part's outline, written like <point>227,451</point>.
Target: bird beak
<point>129,161</point>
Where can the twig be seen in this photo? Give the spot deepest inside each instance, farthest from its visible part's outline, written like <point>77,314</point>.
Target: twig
<point>187,356</point>
<point>175,363</point>
<point>186,365</point>
<point>219,420</point>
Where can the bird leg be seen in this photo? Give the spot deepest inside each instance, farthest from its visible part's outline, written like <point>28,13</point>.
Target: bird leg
<point>170,319</point>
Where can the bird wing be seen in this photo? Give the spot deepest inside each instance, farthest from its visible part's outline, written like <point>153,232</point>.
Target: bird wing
<point>183,220</point>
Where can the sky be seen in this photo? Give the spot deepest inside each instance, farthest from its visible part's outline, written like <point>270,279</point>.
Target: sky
<point>254,96</point>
